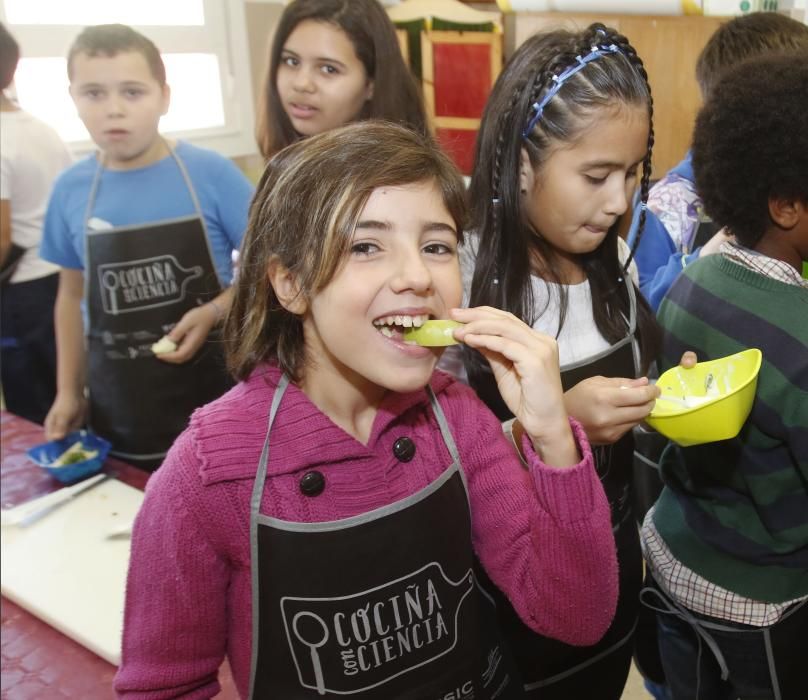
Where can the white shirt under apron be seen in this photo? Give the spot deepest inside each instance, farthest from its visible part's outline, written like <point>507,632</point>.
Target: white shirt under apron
<point>31,156</point>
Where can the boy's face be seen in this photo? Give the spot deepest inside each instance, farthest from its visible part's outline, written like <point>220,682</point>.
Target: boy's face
<point>120,103</point>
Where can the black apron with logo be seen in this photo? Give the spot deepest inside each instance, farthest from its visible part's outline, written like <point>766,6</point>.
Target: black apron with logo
<point>139,281</point>
<point>382,605</point>
<point>783,642</point>
<point>550,668</point>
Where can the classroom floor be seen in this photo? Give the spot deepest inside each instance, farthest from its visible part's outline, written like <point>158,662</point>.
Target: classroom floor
<point>634,689</point>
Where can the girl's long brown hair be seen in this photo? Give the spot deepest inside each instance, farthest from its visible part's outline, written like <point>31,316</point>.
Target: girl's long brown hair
<point>396,96</point>
<point>509,245</point>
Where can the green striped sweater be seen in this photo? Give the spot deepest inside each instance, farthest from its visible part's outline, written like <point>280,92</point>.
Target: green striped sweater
<point>736,511</point>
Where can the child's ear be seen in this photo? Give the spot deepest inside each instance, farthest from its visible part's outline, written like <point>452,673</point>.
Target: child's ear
<point>286,287</point>
<point>527,177</point>
<point>166,99</point>
<point>787,212</point>
<point>369,90</point>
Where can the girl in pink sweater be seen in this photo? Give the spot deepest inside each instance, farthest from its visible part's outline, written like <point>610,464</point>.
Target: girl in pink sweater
<point>324,523</point>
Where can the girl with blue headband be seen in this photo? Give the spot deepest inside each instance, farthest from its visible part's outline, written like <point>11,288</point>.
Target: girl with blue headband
<point>565,139</point>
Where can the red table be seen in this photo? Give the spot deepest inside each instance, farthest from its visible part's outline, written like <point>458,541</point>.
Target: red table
<point>38,662</point>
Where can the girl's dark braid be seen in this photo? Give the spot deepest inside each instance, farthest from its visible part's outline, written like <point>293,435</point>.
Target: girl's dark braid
<point>537,83</point>
<point>497,223</point>
<point>628,50</point>
<point>496,176</point>
<point>544,80</point>
<point>648,332</point>
<point>511,125</point>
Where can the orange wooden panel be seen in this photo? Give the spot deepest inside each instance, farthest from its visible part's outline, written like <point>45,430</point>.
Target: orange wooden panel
<point>459,144</point>
<point>462,78</point>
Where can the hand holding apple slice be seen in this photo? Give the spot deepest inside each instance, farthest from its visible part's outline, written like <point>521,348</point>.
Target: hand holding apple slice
<point>434,334</point>
<point>165,344</point>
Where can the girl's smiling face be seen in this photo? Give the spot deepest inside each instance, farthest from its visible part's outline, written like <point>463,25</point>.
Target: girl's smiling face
<point>321,82</point>
<point>582,188</point>
<point>402,268</point>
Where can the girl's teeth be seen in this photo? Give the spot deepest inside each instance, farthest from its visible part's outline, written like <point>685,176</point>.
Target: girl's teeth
<point>404,321</point>
<point>386,331</point>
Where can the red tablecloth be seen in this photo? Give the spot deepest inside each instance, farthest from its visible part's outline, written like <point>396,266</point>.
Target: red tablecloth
<point>38,662</point>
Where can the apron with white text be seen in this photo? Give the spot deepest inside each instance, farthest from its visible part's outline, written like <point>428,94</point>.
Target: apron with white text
<point>545,664</point>
<point>380,606</point>
<point>139,281</point>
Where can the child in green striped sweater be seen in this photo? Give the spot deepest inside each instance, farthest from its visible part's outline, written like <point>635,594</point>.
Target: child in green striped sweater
<point>727,542</point>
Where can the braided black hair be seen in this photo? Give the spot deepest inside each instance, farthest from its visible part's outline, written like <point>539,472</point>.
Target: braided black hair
<point>507,241</point>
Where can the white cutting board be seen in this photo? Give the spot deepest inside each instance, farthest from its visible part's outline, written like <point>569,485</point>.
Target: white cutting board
<point>63,570</point>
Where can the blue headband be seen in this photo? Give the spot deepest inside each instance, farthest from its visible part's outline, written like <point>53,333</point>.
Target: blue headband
<point>538,107</point>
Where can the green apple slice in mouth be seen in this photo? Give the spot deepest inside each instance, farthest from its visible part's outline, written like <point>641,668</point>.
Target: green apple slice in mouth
<point>434,334</point>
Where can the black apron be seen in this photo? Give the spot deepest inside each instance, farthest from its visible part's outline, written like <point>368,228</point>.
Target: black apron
<point>139,281</point>
<point>784,639</point>
<point>550,668</point>
<point>381,605</point>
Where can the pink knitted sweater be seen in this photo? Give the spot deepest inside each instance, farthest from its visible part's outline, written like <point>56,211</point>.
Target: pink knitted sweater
<point>543,535</point>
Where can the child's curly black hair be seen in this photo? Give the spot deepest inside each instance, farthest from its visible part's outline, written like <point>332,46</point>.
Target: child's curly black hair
<point>750,142</point>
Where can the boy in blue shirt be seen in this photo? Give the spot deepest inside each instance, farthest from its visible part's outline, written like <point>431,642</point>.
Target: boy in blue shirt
<point>144,232</point>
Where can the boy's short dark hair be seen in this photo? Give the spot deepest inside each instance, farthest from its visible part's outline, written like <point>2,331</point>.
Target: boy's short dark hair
<point>745,37</point>
<point>112,39</point>
<point>9,57</point>
<point>750,142</point>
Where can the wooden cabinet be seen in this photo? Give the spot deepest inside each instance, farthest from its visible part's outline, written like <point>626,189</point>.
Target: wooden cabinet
<point>668,46</point>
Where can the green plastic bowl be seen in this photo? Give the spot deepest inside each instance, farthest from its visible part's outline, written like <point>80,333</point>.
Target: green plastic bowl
<point>707,402</point>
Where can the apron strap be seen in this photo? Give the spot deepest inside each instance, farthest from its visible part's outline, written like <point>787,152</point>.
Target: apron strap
<point>671,607</point>
<point>448,440</point>
<point>700,627</point>
<point>628,338</point>
<point>632,322</point>
<point>767,641</point>
<point>93,195</point>
<point>194,198</point>
<point>445,432</point>
<point>255,509</point>
<point>261,474</point>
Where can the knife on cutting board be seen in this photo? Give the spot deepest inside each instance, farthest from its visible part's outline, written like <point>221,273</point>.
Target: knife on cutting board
<point>30,512</point>
<point>63,570</point>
